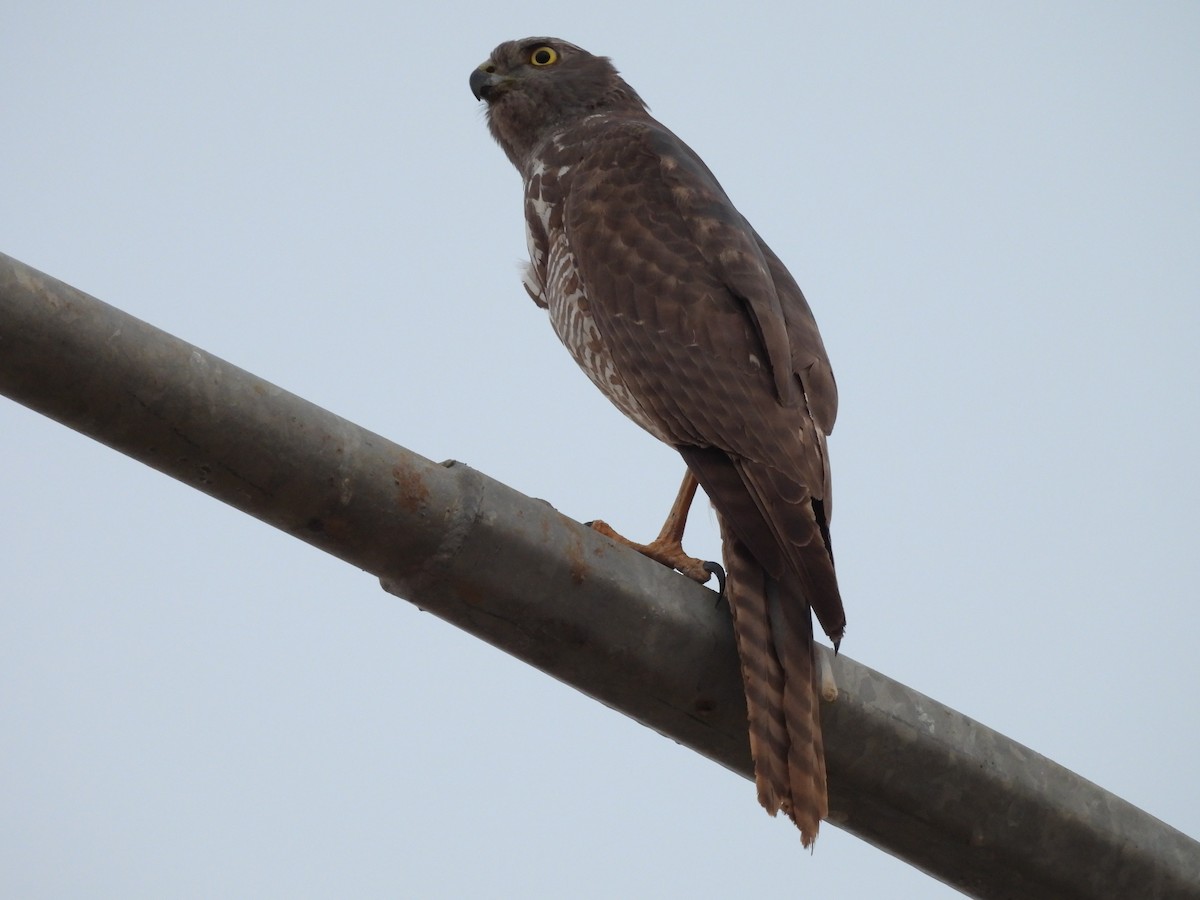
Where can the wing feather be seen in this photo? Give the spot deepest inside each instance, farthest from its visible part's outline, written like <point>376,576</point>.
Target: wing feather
<point>711,335</point>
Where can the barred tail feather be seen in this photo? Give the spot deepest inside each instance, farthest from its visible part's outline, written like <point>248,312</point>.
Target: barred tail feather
<point>762,676</point>
<point>792,637</point>
<point>777,565</point>
<point>773,630</point>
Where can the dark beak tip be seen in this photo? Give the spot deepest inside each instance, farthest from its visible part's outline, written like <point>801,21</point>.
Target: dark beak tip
<point>481,84</point>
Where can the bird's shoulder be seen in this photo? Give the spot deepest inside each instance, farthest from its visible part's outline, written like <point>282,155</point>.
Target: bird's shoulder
<point>620,147</point>
<point>626,175</point>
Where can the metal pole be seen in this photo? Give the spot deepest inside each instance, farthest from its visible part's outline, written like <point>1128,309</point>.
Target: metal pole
<point>919,780</point>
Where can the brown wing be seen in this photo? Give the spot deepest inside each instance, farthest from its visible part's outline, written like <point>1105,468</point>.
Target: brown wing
<point>686,301</point>
<point>712,336</point>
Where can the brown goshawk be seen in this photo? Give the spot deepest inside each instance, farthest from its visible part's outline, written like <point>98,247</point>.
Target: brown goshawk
<point>679,312</point>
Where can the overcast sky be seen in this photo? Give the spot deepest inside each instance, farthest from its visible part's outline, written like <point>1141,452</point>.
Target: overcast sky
<point>995,213</point>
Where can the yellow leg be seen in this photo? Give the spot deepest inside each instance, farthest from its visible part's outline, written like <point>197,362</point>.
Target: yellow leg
<point>667,548</point>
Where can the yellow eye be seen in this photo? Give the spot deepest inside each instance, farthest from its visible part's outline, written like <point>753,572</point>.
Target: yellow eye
<point>544,56</point>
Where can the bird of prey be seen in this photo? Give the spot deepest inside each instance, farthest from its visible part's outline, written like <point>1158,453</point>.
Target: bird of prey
<point>680,313</point>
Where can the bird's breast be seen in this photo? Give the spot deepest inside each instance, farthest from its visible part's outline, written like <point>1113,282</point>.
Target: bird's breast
<point>554,278</point>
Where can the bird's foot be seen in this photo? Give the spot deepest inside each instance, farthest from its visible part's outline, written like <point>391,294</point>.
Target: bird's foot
<point>668,553</point>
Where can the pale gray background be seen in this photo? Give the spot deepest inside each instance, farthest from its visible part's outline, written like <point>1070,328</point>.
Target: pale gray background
<point>996,216</point>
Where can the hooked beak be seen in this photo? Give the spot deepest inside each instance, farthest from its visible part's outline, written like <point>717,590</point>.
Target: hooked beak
<point>485,84</point>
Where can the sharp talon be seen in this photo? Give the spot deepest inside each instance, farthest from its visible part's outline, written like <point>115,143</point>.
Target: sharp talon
<point>715,569</point>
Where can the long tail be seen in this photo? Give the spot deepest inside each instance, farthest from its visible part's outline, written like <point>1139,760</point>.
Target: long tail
<point>773,628</point>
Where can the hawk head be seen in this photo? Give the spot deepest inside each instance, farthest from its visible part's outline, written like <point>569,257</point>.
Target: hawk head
<point>537,85</point>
